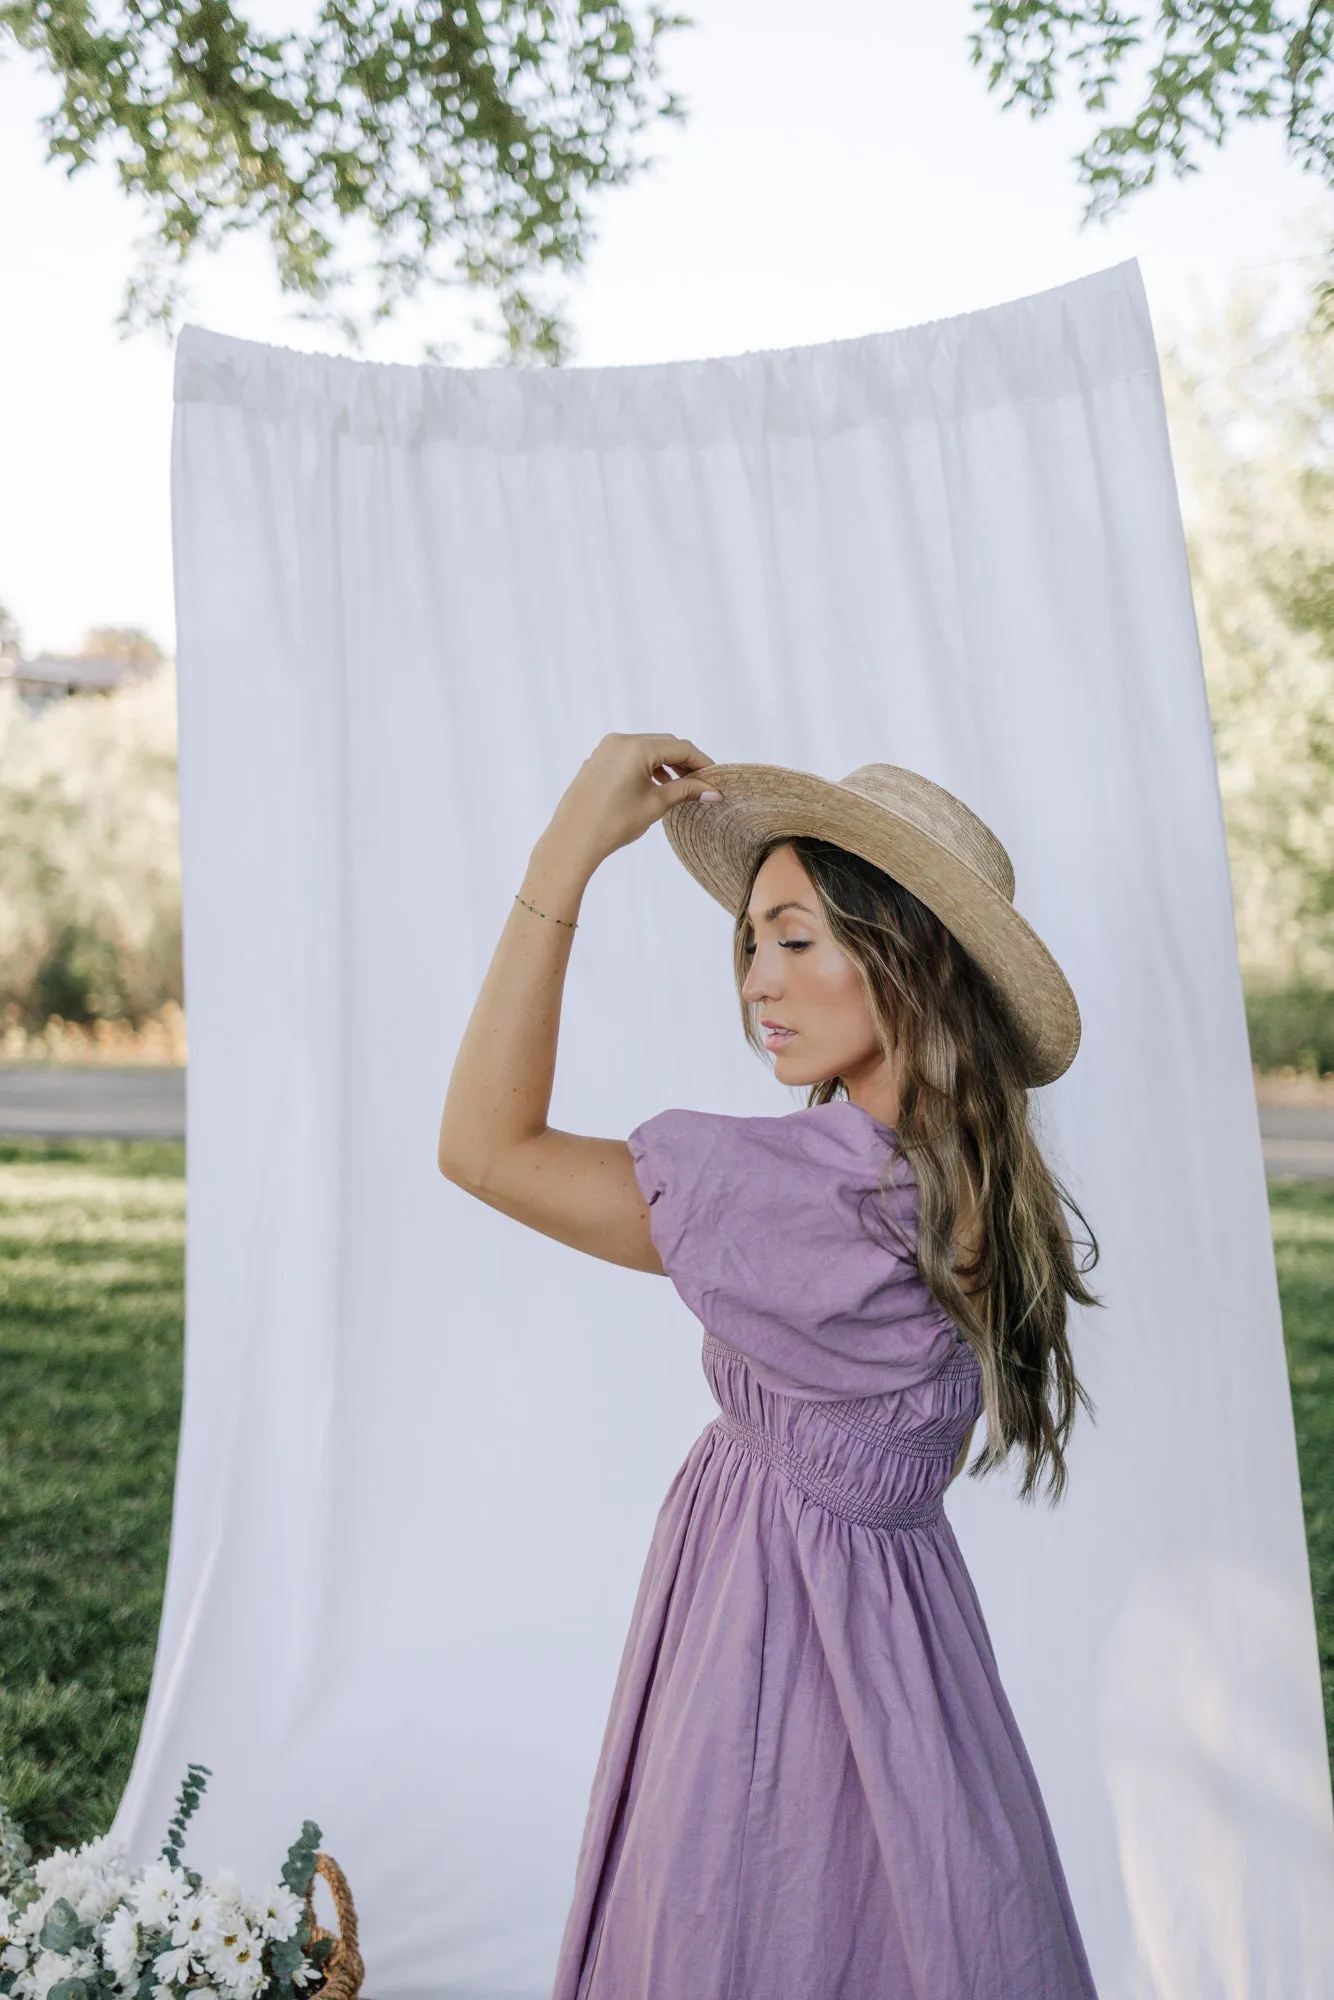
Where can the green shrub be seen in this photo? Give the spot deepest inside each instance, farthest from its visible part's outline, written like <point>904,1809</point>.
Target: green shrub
<point>90,924</point>
<point>1292,1027</point>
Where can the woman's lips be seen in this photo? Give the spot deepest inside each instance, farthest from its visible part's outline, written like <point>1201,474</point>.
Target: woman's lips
<point>774,1037</point>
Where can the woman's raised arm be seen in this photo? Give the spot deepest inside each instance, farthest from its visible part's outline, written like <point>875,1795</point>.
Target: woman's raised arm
<point>494,1138</point>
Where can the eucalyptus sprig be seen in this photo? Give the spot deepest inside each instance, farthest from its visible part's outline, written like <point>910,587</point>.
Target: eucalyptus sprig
<point>187,1805</point>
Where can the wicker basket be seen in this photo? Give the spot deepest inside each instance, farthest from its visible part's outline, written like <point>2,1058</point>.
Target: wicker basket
<point>345,1971</point>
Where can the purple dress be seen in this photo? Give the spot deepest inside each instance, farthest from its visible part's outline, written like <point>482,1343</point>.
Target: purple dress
<point>811,1785</point>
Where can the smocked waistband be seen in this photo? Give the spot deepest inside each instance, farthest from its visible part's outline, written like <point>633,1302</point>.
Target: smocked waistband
<point>826,1492</point>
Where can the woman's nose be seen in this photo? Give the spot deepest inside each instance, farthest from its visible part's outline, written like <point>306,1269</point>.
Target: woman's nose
<point>754,987</point>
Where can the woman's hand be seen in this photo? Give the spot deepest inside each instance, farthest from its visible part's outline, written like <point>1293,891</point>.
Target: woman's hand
<point>494,1137</point>
<point>619,792</point>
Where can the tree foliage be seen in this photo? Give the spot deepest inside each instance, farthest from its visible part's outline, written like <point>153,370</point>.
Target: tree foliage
<point>455,140</point>
<point>129,645</point>
<point>1252,409</point>
<point>90,924</point>
<point>1191,69</point>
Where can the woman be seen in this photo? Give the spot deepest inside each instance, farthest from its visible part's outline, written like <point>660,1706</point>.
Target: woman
<point>812,1786</point>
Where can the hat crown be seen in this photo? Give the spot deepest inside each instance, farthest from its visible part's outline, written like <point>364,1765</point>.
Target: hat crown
<point>922,837</point>
<point>940,816</point>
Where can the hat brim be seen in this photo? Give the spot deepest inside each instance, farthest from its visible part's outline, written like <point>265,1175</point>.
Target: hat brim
<point>761,803</point>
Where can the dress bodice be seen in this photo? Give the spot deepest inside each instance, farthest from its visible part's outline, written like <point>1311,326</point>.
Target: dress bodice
<point>876,1461</point>
<point>794,1240</point>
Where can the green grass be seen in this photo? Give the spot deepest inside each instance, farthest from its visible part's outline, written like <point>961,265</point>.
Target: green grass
<point>91,1265</point>
<point>1303,1222</point>
<point>92,1242</point>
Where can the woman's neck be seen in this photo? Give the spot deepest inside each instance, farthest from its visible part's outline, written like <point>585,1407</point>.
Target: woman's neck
<point>876,1089</point>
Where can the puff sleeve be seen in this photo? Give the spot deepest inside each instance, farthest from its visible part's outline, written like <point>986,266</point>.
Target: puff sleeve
<point>793,1240</point>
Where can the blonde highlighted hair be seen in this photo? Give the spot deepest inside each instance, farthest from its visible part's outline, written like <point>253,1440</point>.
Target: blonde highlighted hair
<point>964,1130</point>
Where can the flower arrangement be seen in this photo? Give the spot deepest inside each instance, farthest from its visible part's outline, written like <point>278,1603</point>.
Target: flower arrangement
<point>89,1924</point>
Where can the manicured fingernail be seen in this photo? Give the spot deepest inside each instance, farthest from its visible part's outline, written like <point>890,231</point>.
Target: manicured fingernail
<point>708,798</point>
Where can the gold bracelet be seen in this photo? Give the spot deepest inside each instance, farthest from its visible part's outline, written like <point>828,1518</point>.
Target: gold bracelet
<point>542,913</point>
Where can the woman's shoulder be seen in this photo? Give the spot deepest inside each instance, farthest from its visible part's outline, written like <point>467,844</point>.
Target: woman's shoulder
<point>834,1165</point>
<point>838,1135</point>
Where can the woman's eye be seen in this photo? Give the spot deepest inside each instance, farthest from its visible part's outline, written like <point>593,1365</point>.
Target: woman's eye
<point>748,949</point>
<point>795,944</point>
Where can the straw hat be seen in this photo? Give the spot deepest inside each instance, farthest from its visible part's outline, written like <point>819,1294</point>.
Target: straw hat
<point>918,833</point>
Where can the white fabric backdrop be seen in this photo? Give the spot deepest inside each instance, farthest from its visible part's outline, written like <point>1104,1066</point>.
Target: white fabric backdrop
<point>422,1449</point>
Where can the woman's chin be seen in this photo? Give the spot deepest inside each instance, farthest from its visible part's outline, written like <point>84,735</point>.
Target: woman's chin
<point>789,1068</point>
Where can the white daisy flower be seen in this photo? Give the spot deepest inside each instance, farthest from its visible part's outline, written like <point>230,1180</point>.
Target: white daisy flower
<point>48,1968</point>
<point>173,1967</point>
<point>156,1894</point>
<point>121,1951</point>
<point>40,1973</point>
<point>197,1923</point>
<point>236,1961</point>
<point>62,1869</point>
<point>227,1886</point>
<point>277,1913</point>
<point>92,1878</point>
<point>28,1922</point>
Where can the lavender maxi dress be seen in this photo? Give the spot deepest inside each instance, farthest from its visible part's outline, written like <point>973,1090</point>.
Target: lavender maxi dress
<point>811,1786</point>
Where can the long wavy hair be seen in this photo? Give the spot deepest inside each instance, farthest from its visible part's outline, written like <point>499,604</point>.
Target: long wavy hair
<point>964,1130</point>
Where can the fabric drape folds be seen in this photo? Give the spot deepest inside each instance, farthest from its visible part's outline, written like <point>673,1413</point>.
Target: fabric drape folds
<point>422,1451</point>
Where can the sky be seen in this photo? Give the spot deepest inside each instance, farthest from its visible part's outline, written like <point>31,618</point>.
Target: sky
<point>835,179</point>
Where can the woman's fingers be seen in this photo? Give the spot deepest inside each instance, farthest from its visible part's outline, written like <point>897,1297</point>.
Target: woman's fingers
<point>677,757</point>
<point>676,752</point>
<point>679,789</point>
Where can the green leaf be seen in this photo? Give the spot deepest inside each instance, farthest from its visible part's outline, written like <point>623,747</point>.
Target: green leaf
<point>464,145</point>
<point>299,1868</point>
<point>1183,76</point>
<point>60,1929</point>
<point>285,1957</point>
<point>69,1989</point>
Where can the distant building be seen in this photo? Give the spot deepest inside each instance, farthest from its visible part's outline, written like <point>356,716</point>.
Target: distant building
<point>52,677</point>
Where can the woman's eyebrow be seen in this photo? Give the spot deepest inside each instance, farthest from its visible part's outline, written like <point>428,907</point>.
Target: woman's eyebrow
<point>779,908</point>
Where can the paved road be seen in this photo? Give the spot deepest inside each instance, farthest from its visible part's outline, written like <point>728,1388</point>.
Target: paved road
<point>1298,1140</point>
<point>58,1102</point>
<point>52,1101</point>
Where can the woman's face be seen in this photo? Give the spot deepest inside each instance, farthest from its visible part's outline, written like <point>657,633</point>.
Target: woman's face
<point>813,1014</point>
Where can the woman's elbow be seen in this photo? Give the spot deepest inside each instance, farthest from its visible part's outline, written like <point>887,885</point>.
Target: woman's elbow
<point>495,1171</point>
<point>483,1173</point>
<point>458,1162</point>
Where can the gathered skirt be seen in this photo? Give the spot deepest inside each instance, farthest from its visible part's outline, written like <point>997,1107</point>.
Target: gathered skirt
<point>812,1786</point>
